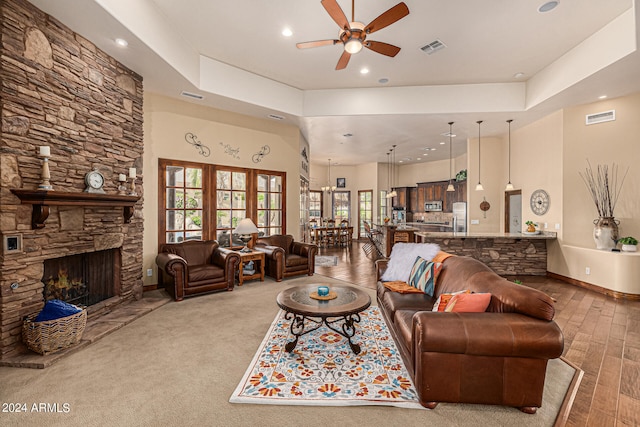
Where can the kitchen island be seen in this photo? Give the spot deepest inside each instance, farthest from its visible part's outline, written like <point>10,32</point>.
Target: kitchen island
<point>505,253</point>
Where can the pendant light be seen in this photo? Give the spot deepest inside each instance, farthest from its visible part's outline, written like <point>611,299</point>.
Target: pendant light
<point>329,188</point>
<point>450,186</point>
<point>509,186</point>
<point>388,196</point>
<point>393,193</point>
<point>479,187</point>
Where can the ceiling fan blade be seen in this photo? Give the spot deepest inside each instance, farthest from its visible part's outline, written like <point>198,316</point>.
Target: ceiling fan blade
<point>316,43</point>
<point>335,11</point>
<point>392,15</point>
<point>382,47</point>
<point>343,61</point>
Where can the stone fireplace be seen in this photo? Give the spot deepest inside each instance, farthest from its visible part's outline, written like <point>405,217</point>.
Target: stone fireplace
<point>59,90</point>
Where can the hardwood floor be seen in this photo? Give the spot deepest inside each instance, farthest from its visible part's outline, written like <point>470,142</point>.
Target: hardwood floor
<point>602,337</point>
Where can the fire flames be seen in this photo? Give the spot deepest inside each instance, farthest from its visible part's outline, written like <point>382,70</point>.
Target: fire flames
<point>63,288</point>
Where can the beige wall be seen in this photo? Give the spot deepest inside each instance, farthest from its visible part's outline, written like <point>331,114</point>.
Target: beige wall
<point>603,143</point>
<point>166,121</point>
<point>536,163</point>
<point>493,171</point>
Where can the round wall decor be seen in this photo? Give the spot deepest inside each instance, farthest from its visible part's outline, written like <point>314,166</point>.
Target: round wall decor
<point>540,202</point>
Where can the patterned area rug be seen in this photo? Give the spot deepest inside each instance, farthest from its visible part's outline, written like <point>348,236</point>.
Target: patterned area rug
<point>323,371</point>
<point>326,261</point>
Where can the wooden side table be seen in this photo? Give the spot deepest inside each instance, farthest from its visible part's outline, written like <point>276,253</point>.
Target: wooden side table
<point>258,261</point>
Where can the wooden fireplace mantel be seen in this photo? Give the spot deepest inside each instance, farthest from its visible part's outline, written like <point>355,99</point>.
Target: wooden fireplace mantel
<point>42,199</point>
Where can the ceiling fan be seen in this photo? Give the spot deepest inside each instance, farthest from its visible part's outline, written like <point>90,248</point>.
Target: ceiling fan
<point>353,35</point>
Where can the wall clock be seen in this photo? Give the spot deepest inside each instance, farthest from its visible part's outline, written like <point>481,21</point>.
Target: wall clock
<point>539,202</point>
<point>94,181</point>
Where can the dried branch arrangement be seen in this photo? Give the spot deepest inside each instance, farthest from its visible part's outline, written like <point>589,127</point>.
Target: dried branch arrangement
<point>603,187</point>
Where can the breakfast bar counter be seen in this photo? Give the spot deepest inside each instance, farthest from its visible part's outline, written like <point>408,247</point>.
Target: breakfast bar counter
<point>505,253</point>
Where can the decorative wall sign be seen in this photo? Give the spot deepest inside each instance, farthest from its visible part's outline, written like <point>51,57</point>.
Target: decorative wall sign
<point>485,206</point>
<point>193,140</point>
<point>233,152</point>
<point>341,182</point>
<point>264,150</point>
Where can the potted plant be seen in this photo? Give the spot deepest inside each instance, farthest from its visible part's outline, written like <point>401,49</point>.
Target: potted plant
<point>629,244</point>
<point>531,226</point>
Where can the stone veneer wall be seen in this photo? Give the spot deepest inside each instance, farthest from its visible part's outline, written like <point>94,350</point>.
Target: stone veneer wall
<point>507,257</point>
<point>58,89</point>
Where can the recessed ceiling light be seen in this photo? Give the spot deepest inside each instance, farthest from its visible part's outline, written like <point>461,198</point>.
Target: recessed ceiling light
<point>602,97</point>
<point>364,71</point>
<point>442,143</point>
<point>418,158</point>
<point>518,75</point>
<point>548,6</point>
<point>122,42</point>
<point>383,81</point>
<point>434,149</point>
<point>287,32</point>
<point>400,161</point>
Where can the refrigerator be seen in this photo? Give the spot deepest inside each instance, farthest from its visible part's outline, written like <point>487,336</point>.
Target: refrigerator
<point>460,217</point>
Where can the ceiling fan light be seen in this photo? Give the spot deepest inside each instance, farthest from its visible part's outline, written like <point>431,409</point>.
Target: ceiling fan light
<point>353,46</point>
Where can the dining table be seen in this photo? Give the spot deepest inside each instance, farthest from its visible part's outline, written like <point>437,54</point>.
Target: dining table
<point>325,236</point>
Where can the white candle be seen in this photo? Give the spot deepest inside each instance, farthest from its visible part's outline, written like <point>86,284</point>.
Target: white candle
<point>132,172</point>
<point>122,177</point>
<point>45,151</point>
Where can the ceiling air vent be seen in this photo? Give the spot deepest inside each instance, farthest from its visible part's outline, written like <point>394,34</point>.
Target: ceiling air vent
<point>605,116</point>
<point>433,47</point>
<point>275,117</point>
<point>191,95</point>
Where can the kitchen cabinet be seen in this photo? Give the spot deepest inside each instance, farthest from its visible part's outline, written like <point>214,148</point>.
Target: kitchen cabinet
<point>413,200</point>
<point>437,190</point>
<point>403,199</point>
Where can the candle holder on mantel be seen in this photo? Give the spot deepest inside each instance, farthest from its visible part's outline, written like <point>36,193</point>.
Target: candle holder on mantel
<point>45,153</point>
<point>122,185</point>
<point>133,188</point>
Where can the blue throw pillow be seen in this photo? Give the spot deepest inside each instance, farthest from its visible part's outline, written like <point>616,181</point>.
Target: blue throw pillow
<point>56,309</point>
<point>424,274</point>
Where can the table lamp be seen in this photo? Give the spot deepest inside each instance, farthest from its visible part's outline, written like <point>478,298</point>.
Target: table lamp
<point>244,230</point>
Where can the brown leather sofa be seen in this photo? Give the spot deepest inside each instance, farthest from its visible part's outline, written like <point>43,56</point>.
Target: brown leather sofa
<point>285,257</point>
<point>498,357</point>
<point>195,267</point>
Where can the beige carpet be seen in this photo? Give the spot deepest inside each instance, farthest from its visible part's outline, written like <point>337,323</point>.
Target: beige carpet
<point>178,365</point>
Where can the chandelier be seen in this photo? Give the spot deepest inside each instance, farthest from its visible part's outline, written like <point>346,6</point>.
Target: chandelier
<point>329,188</point>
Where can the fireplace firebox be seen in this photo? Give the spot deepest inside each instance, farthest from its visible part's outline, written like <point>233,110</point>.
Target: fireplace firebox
<point>83,279</point>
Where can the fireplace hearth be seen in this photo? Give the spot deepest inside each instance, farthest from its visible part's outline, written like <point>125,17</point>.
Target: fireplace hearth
<point>83,279</point>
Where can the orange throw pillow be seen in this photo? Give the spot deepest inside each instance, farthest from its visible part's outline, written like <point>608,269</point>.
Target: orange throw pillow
<point>443,300</point>
<point>469,303</point>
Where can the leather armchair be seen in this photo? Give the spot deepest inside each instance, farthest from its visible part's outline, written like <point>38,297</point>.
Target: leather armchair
<point>285,257</point>
<point>195,267</point>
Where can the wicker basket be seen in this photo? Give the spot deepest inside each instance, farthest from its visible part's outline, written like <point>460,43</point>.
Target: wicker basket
<point>53,335</point>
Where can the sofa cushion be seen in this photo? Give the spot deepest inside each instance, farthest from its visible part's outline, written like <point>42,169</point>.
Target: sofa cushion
<point>443,300</point>
<point>469,303</point>
<point>293,260</point>
<point>403,255</point>
<point>198,273</point>
<point>394,301</point>
<point>424,274</point>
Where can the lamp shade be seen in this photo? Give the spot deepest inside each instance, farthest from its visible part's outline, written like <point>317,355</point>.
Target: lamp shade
<point>246,226</point>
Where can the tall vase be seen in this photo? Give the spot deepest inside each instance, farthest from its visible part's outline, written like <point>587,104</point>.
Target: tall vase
<point>605,233</point>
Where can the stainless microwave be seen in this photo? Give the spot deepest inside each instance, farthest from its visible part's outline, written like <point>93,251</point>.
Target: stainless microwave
<point>433,206</point>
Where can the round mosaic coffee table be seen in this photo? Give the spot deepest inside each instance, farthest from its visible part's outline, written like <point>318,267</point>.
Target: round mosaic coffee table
<point>340,314</point>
